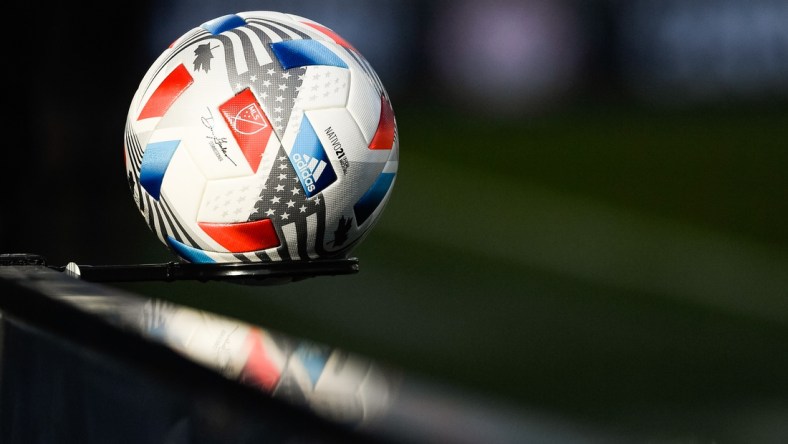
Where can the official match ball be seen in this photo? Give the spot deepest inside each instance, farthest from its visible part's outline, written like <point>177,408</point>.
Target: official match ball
<point>261,136</point>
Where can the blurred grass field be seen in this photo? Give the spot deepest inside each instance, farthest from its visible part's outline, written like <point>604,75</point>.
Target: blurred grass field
<point>615,263</point>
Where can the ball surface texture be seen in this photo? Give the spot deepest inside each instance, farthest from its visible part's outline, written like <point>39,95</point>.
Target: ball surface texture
<point>261,136</point>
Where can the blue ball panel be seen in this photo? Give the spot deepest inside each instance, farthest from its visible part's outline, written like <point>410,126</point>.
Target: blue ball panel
<point>154,164</point>
<point>223,23</point>
<point>310,161</point>
<point>298,53</point>
<point>373,197</point>
<point>191,254</point>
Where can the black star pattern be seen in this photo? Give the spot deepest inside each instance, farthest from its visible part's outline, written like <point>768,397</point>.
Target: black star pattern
<point>283,201</point>
<point>275,88</point>
<point>282,195</point>
<point>277,91</point>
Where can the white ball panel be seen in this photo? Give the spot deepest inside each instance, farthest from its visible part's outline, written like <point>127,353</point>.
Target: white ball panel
<point>393,160</point>
<point>183,185</point>
<point>215,78</point>
<point>299,19</point>
<point>364,104</point>
<point>230,200</point>
<point>324,87</point>
<point>292,129</point>
<point>145,129</point>
<point>338,130</point>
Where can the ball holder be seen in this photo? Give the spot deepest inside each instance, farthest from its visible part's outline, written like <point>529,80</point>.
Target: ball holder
<point>245,272</point>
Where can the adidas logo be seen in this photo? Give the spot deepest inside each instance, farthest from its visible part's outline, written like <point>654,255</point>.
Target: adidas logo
<point>309,169</point>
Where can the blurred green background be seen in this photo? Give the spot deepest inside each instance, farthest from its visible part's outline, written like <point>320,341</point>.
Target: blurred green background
<point>606,269</point>
<point>614,252</point>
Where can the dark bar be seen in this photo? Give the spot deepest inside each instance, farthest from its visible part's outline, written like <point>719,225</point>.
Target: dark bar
<point>70,376</point>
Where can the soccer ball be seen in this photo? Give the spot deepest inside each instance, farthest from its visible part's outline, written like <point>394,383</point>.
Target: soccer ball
<point>261,136</point>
